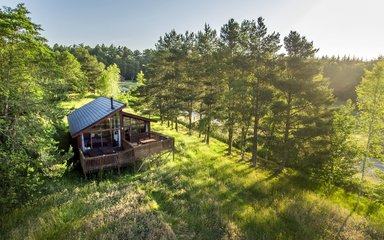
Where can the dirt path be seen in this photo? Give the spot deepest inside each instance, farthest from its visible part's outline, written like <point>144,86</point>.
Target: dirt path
<point>378,164</point>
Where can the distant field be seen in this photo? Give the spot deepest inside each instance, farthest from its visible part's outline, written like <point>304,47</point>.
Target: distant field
<point>76,103</point>
<point>127,84</point>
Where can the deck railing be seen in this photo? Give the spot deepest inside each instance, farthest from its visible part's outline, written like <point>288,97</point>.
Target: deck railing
<point>162,143</point>
<point>91,164</point>
<point>128,155</point>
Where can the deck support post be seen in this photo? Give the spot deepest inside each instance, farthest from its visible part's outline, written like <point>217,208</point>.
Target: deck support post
<point>173,153</point>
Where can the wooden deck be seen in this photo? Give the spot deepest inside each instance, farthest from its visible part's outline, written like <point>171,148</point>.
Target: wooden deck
<point>151,143</point>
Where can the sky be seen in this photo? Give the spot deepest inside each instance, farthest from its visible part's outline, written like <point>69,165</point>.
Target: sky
<point>337,27</point>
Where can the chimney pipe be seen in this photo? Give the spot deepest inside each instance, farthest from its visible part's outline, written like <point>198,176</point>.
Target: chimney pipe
<point>112,103</point>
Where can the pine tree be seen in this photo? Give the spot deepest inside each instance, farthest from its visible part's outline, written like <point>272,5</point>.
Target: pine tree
<point>90,66</point>
<point>207,74</point>
<point>190,87</point>
<point>165,75</point>
<point>305,99</point>
<point>230,53</point>
<point>70,71</point>
<point>261,52</point>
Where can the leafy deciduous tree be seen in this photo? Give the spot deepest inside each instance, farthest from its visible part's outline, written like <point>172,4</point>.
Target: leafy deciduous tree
<point>370,103</point>
<point>107,83</point>
<point>29,96</point>
<point>343,153</point>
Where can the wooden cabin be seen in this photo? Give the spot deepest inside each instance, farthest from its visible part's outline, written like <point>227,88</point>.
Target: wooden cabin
<point>108,137</point>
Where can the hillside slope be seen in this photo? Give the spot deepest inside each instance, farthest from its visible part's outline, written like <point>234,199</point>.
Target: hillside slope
<point>202,194</point>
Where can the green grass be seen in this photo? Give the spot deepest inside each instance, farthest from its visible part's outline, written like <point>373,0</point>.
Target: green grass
<point>202,194</point>
<point>75,102</point>
<point>128,84</point>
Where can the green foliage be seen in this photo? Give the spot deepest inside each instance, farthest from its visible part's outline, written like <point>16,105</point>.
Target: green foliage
<point>304,102</point>
<point>29,92</point>
<point>370,103</point>
<point>230,53</point>
<point>241,82</point>
<point>129,62</point>
<point>163,91</point>
<point>260,65</point>
<point>107,83</point>
<point>208,85</point>
<point>140,78</point>
<point>70,71</point>
<point>344,153</point>
<point>378,191</point>
<point>90,66</point>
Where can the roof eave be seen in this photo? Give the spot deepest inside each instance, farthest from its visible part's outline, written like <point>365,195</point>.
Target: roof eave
<point>76,134</point>
<point>139,117</point>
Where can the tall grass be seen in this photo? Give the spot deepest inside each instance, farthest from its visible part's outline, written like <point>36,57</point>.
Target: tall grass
<point>202,194</point>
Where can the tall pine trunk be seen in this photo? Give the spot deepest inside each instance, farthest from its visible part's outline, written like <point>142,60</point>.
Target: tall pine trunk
<point>244,131</point>
<point>330,178</point>
<point>286,133</point>
<point>13,130</point>
<point>190,119</point>
<point>208,131</point>
<point>230,133</point>
<point>230,140</point>
<point>255,125</point>
<point>255,140</point>
<point>200,117</point>
<point>161,115</point>
<point>269,140</point>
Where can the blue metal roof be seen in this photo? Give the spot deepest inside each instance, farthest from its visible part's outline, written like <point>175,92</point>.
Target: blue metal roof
<point>91,113</point>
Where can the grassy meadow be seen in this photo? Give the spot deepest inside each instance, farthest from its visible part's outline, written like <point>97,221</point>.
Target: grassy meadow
<point>201,194</point>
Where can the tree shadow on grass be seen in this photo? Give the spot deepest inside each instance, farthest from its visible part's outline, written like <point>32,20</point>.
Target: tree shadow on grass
<point>132,217</point>
<point>337,236</point>
<point>56,213</point>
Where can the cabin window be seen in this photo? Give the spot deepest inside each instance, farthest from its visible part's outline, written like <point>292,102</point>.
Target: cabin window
<point>87,140</point>
<point>134,129</point>
<point>137,126</point>
<point>103,134</point>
